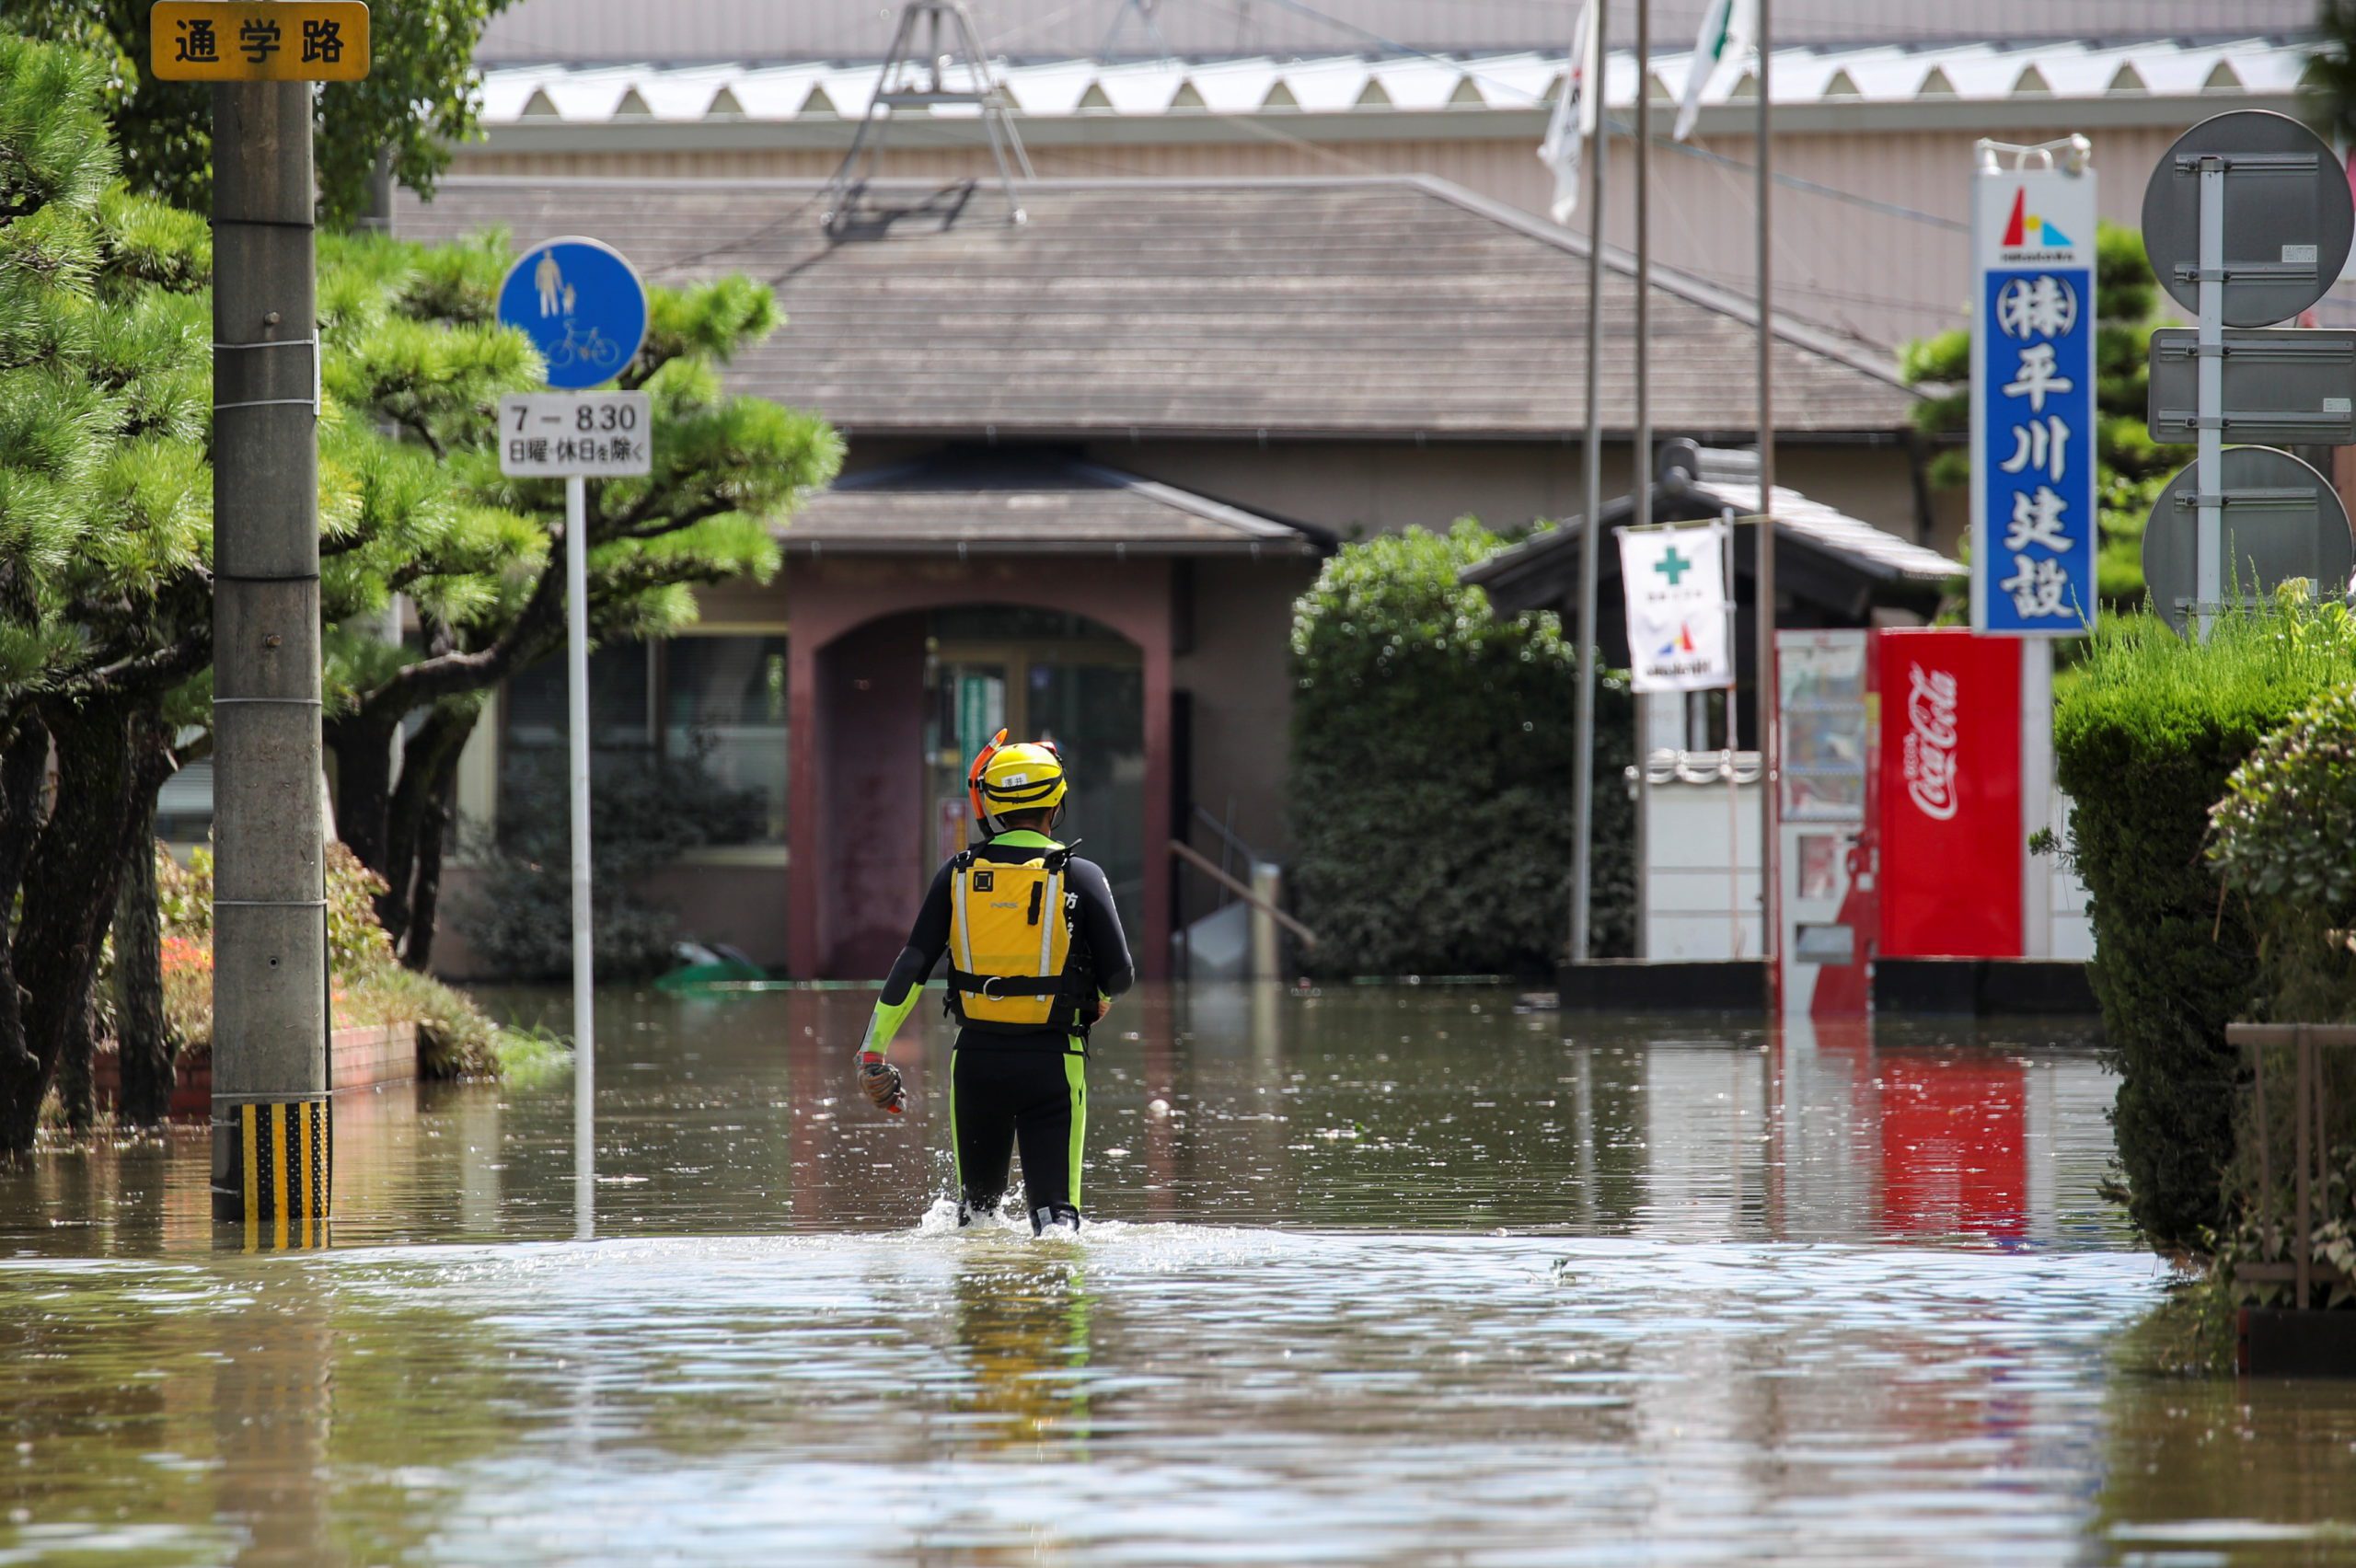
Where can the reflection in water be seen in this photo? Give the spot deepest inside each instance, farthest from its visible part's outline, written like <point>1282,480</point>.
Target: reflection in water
<point>1379,1276</point>
<point>1023,1317</point>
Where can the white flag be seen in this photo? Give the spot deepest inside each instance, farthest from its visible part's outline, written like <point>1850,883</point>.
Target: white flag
<point>1729,33</point>
<point>1675,580</point>
<point>1575,115</point>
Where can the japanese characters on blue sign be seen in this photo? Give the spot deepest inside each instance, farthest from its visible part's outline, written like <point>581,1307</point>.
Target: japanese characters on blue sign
<point>2033,403</point>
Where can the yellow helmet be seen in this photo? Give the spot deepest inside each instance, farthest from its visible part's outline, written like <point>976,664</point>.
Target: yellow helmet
<point>1026,776</point>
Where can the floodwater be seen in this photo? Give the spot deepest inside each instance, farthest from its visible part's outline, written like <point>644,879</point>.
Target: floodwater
<point>1376,1276</point>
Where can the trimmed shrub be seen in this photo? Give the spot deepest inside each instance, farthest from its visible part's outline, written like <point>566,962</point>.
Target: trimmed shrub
<point>2147,730</point>
<point>1432,754</point>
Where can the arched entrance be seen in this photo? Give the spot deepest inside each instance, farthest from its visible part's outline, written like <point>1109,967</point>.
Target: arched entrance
<point>898,676</point>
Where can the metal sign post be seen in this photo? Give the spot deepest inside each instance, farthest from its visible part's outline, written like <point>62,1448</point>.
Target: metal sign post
<point>586,309</point>
<point>2247,220</point>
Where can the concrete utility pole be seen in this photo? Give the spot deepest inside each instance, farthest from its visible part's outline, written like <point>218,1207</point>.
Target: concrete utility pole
<point>271,1159</point>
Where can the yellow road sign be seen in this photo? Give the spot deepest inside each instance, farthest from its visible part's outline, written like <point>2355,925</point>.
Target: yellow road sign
<point>258,41</point>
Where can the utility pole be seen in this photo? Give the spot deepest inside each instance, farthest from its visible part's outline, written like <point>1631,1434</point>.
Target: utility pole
<point>270,1117</point>
<point>272,1166</point>
<point>1583,781</point>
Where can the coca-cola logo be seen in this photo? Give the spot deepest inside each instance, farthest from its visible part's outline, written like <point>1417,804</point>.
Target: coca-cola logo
<point>1931,742</point>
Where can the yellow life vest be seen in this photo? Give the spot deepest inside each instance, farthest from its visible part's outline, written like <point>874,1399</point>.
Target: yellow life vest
<point>1008,944</point>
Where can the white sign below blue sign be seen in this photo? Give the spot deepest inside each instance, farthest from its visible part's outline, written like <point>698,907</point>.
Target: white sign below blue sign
<point>2033,431</point>
<point>581,306</point>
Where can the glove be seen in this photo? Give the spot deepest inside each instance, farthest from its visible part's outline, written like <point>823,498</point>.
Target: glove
<point>880,1081</point>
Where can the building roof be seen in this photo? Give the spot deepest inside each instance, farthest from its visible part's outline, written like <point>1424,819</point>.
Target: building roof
<point>980,501</point>
<point>1032,29</point>
<point>2047,82</point>
<point>1381,308</point>
<point>1846,552</point>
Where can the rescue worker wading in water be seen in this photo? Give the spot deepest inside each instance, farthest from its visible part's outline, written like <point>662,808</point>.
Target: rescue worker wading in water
<point>1035,957</point>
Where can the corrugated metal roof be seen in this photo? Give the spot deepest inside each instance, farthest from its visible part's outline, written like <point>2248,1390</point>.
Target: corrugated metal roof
<point>1412,85</point>
<point>609,31</point>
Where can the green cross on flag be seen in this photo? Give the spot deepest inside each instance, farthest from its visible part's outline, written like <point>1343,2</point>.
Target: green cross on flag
<point>1672,565</point>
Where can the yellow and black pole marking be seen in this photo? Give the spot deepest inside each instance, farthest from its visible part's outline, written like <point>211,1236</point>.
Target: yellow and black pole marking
<point>280,1156</point>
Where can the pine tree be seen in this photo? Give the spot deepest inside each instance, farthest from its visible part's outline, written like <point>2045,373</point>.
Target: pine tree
<point>106,539</point>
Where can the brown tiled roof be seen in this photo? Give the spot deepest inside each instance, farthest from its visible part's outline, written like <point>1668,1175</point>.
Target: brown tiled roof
<point>1386,308</point>
<point>1000,502</point>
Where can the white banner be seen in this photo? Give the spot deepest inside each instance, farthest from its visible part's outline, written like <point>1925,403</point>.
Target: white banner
<point>1575,116</point>
<point>1678,633</point>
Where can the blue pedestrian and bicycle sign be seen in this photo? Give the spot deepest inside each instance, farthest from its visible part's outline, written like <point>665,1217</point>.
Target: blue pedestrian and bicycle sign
<point>581,306</point>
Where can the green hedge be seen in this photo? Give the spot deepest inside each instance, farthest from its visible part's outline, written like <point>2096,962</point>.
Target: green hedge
<point>1433,744</point>
<point>2147,729</point>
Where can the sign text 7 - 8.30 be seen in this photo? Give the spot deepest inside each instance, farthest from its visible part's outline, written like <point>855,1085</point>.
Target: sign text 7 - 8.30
<point>258,41</point>
<point>556,435</point>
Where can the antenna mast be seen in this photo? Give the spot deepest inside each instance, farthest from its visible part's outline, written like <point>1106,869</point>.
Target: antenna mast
<point>921,82</point>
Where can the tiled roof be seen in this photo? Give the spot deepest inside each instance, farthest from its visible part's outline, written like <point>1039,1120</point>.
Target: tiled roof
<point>1538,571</point>
<point>1390,308</point>
<point>984,503</point>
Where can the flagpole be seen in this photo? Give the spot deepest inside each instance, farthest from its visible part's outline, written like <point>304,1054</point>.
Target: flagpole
<point>1770,851</point>
<point>1642,485</point>
<point>1590,547</point>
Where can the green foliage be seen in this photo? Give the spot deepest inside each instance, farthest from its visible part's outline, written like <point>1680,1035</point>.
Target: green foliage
<point>649,813</point>
<point>1433,744</point>
<point>458,1039</point>
<point>2130,468</point>
<point>2284,831</point>
<point>2330,80</point>
<point>104,501</point>
<point>419,100</point>
<point>2148,728</point>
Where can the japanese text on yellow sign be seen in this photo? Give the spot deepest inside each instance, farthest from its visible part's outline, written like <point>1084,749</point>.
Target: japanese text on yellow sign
<point>260,41</point>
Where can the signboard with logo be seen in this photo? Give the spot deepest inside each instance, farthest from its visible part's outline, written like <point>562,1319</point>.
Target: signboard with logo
<point>1948,794</point>
<point>2033,400</point>
<point>1679,608</point>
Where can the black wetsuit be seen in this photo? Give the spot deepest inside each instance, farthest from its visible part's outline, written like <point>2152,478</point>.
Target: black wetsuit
<point>1028,1088</point>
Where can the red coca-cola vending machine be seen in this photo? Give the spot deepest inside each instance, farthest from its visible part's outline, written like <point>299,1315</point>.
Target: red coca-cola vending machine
<point>1907,786</point>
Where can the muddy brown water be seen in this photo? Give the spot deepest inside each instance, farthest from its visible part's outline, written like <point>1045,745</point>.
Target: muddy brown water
<point>1376,1276</point>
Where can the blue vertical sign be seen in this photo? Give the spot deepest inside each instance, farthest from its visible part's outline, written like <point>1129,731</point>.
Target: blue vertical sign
<point>2033,506</point>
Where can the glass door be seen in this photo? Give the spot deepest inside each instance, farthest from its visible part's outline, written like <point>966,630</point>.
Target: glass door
<point>1056,678</point>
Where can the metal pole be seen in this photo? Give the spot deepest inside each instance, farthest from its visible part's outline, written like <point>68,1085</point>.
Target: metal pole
<point>2207,570</point>
<point>584,1027</point>
<point>1641,488</point>
<point>1733,736</point>
<point>1592,463</point>
<point>1644,454</point>
<point>271,1163</point>
<point>1770,852</point>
